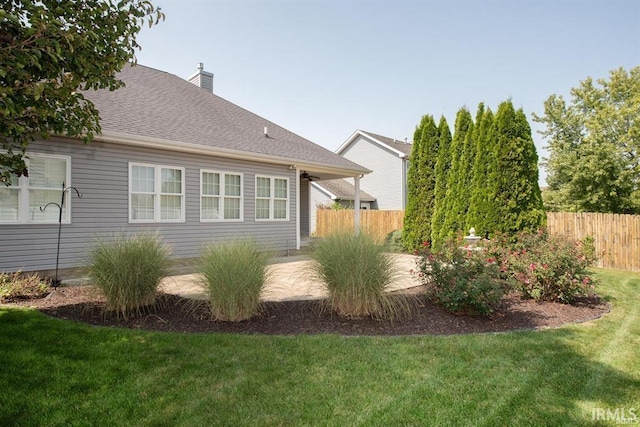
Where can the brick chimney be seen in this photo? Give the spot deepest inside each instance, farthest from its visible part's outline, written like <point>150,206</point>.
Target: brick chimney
<point>202,78</point>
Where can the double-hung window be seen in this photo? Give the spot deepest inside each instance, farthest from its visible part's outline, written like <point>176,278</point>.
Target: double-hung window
<point>220,196</point>
<point>272,198</point>
<point>21,201</point>
<point>156,193</point>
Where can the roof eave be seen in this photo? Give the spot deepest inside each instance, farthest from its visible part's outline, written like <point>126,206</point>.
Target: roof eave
<point>381,144</point>
<point>185,147</point>
<point>323,189</point>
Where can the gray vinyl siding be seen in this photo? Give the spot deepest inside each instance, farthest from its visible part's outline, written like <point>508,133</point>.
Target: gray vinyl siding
<point>386,181</point>
<point>304,207</point>
<point>100,171</point>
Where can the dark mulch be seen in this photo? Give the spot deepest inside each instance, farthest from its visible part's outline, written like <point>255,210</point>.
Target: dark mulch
<point>307,317</point>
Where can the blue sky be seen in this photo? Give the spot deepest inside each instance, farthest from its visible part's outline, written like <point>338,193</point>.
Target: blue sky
<point>324,68</point>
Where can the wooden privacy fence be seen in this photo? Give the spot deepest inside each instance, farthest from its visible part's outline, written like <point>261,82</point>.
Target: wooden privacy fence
<point>617,237</point>
<point>377,223</point>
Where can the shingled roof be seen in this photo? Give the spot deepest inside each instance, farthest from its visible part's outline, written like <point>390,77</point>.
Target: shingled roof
<point>159,106</point>
<point>343,190</point>
<point>401,146</point>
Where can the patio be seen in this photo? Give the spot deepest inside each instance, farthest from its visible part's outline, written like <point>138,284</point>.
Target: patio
<point>289,280</point>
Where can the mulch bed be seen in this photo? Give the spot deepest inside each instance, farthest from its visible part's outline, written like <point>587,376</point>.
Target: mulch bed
<point>82,304</point>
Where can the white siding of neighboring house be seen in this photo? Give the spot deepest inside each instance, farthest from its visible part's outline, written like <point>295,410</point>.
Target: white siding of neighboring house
<point>317,197</point>
<point>385,182</point>
<point>100,171</point>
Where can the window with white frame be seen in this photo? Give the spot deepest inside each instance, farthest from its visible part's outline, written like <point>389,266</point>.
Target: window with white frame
<point>272,198</point>
<point>220,196</point>
<point>21,201</point>
<point>156,193</point>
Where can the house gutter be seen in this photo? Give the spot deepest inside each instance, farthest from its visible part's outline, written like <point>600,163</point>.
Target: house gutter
<point>185,147</point>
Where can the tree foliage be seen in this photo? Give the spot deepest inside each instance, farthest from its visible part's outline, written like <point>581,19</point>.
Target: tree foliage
<point>513,181</point>
<point>421,183</point>
<point>51,51</point>
<point>455,207</point>
<point>480,205</point>
<point>443,165</point>
<point>593,143</point>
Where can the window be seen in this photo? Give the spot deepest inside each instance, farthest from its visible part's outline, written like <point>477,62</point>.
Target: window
<point>21,201</point>
<point>220,196</point>
<point>272,198</point>
<point>156,193</point>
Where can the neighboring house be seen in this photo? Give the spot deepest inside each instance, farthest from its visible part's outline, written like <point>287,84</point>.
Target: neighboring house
<point>172,158</point>
<point>387,158</point>
<point>325,193</point>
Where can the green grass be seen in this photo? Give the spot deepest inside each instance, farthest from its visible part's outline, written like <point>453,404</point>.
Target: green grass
<point>56,372</point>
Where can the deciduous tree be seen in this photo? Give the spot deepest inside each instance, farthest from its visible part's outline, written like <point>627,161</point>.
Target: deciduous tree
<point>51,51</point>
<point>594,141</point>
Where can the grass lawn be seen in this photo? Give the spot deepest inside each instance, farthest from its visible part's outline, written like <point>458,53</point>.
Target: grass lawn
<point>55,372</point>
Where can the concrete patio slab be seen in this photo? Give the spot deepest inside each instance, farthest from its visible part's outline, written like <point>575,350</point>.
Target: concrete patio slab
<point>289,280</point>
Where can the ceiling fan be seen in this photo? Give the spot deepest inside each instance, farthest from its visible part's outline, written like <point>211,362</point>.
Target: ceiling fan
<point>305,175</point>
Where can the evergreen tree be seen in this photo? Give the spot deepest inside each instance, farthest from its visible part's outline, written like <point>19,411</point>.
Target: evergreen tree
<point>454,208</point>
<point>443,164</point>
<point>514,174</point>
<point>413,185</point>
<point>480,205</point>
<point>463,190</point>
<point>422,181</point>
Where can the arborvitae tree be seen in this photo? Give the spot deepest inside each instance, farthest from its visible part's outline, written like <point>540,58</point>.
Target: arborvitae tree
<point>454,208</point>
<point>443,164</point>
<point>421,182</point>
<point>480,205</point>
<point>413,185</point>
<point>514,176</point>
<point>463,191</point>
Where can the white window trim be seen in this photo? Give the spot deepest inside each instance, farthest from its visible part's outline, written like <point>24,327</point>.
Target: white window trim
<point>222,196</point>
<point>272,198</point>
<point>157,199</point>
<point>23,194</point>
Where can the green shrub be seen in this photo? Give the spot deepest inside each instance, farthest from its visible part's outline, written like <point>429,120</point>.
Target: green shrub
<point>549,268</point>
<point>15,286</point>
<point>234,275</point>
<point>128,269</point>
<point>462,279</point>
<point>356,273</point>
<point>394,243</point>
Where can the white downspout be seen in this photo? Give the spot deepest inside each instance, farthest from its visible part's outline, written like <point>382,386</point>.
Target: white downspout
<point>356,202</point>
<point>403,189</point>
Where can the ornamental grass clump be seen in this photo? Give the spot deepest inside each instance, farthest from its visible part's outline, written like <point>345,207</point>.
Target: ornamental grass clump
<point>233,277</point>
<point>357,274</point>
<point>127,269</point>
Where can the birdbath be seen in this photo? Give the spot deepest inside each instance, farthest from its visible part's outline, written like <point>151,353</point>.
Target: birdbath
<point>472,239</point>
